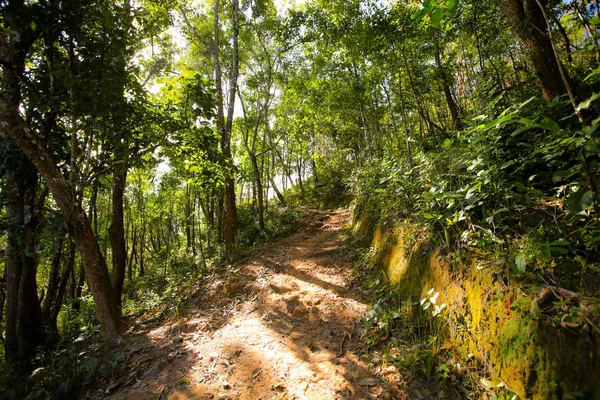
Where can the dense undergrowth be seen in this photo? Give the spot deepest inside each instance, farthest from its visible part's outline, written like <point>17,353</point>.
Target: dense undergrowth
<point>495,229</point>
<point>525,178</point>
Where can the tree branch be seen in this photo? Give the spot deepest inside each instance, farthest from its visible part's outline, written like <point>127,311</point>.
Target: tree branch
<point>209,46</point>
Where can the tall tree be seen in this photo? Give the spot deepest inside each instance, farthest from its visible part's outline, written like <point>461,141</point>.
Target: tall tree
<point>15,48</point>
<point>527,21</point>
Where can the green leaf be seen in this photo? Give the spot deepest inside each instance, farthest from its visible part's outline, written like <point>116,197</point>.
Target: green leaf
<point>525,129</point>
<point>521,263</point>
<point>593,146</point>
<point>563,175</point>
<point>549,125</point>
<point>436,17</point>
<point>587,103</point>
<point>500,121</point>
<point>418,16</point>
<point>452,5</point>
<point>588,130</point>
<point>431,216</point>
<point>579,200</point>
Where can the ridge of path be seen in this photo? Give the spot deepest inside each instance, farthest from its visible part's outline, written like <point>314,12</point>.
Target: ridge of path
<point>284,322</point>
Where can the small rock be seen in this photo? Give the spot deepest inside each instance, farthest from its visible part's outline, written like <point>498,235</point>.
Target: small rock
<point>177,339</point>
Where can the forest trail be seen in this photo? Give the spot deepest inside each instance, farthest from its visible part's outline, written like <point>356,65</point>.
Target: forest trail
<point>284,322</point>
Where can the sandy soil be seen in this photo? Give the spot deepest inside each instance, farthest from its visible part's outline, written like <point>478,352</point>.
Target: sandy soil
<point>282,323</point>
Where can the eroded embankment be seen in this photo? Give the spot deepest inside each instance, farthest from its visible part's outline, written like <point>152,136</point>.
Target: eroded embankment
<point>538,340</point>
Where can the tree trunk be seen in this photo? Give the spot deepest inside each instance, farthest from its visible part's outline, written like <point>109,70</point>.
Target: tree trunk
<point>2,298</point>
<point>299,168</point>
<point>14,266</point>
<point>272,180</point>
<point>193,222</point>
<point>188,215</point>
<point>456,123</point>
<point>22,308</point>
<point>527,21</point>
<point>94,263</point>
<point>23,315</point>
<point>133,254</point>
<point>117,227</point>
<point>565,36</point>
<point>141,246</point>
<point>53,281</point>
<point>230,206</point>
<point>224,126</point>
<point>259,192</point>
<point>62,287</point>
<point>29,320</point>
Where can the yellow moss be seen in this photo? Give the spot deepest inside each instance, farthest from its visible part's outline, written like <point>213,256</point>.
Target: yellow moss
<point>361,227</point>
<point>377,240</point>
<point>396,264</point>
<point>501,339</point>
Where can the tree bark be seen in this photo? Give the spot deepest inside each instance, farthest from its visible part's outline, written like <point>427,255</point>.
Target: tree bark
<point>29,320</point>
<point>527,21</point>
<point>64,280</point>
<point>188,217</point>
<point>250,149</point>
<point>230,206</point>
<point>456,123</point>
<point>272,180</point>
<point>93,261</point>
<point>565,36</point>
<point>224,126</point>
<point>48,322</point>
<point>22,307</point>
<point>117,226</point>
<point>23,315</point>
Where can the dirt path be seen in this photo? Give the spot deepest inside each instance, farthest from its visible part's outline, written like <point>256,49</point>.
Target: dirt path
<point>282,323</point>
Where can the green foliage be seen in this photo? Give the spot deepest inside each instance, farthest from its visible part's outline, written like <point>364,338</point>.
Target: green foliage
<point>435,10</point>
<point>278,221</point>
<point>79,357</point>
<point>494,184</point>
<point>353,97</point>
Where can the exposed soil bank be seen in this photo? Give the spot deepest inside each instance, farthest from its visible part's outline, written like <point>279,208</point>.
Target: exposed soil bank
<point>538,340</point>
